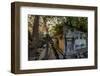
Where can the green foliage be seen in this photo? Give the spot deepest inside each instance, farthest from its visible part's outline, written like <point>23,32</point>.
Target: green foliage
<point>79,23</point>
<point>57,29</point>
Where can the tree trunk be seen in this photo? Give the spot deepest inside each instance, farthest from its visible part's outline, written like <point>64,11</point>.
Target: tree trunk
<point>35,35</point>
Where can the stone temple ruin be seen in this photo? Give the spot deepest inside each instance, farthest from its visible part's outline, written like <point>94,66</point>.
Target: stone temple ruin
<point>75,42</point>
